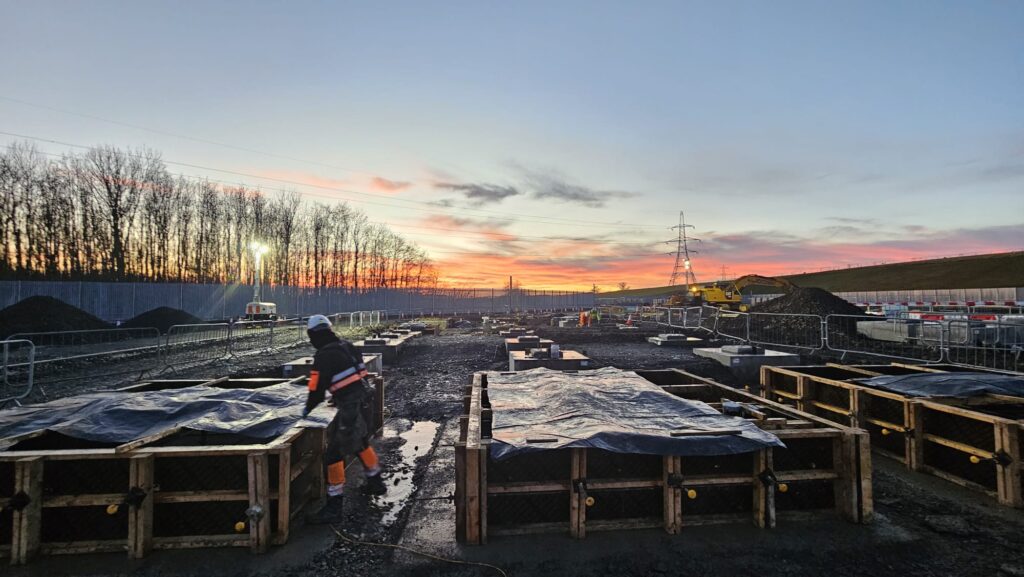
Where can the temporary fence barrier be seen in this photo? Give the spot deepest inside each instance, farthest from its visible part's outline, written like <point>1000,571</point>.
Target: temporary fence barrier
<point>996,343</point>
<point>17,372</point>
<point>73,345</point>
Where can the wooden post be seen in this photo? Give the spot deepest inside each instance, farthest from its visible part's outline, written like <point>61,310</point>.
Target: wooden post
<point>867,499</point>
<point>1009,475</point>
<point>482,454</point>
<point>672,495</point>
<point>460,489</point>
<point>140,517</point>
<point>27,525</point>
<point>472,495</point>
<point>259,502</point>
<point>844,459</point>
<point>856,407</point>
<point>577,494</point>
<point>378,402</point>
<point>764,493</point>
<point>914,413</point>
<point>284,494</point>
<point>805,390</point>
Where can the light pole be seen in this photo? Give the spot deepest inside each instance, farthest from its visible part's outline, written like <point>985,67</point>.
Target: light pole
<point>258,250</point>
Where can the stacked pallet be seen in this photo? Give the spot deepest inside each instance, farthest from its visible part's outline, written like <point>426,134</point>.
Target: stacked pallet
<point>973,442</point>
<point>823,468</point>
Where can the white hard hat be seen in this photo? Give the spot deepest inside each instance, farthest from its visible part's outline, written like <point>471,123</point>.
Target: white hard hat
<point>318,322</point>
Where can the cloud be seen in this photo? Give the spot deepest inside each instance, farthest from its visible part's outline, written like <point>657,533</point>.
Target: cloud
<point>480,194</point>
<point>381,184</point>
<point>551,185</point>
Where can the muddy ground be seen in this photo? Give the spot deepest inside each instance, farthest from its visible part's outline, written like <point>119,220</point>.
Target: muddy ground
<point>923,526</point>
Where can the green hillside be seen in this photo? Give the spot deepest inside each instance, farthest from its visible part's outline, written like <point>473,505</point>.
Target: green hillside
<point>983,271</point>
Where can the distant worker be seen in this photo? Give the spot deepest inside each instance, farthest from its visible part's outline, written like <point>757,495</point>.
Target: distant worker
<point>583,318</point>
<point>338,369</point>
<point>595,316</point>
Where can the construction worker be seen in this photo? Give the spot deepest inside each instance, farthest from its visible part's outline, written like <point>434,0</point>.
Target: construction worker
<point>338,369</point>
<point>595,316</point>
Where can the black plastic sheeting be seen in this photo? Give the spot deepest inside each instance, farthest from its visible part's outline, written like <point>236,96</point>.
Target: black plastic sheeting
<point>122,417</point>
<point>956,385</point>
<point>608,409</point>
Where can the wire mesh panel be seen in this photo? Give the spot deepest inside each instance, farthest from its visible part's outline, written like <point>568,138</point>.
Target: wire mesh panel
<point>192,344</point>
<point>791,330</point>
<point>85,360</point>
<point>895,338</point>
<point>73,345</point>
<point>17,368</point>
<point>248,337</point>
<point>996,343</point>
<point>733,324</point>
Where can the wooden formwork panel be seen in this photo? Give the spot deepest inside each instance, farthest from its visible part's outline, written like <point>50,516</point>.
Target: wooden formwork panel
<point>824,468</point>
<point>972,442</point>
<point>89,500</point>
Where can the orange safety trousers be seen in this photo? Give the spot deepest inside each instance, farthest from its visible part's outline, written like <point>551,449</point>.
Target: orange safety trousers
<point>371,465</point>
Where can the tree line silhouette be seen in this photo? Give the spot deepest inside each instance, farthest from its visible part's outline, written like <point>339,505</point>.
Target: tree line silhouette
<point>112,214</point>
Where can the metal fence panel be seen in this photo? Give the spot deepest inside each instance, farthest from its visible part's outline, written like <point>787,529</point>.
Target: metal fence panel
<point>60,346</point>
<point>995,344</point>
<point>195,344</point>
<point>17,368</point>
<point>896,338</point>
<point>791,330</point>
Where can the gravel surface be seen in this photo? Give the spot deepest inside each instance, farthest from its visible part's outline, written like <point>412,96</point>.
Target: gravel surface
<point>924,526</point>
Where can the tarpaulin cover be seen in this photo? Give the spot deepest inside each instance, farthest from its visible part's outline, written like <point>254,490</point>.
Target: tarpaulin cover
<point>122,417</point>
<point>958,385</point>
<point>609,409</point>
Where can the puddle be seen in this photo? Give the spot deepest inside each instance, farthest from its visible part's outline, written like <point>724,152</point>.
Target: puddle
<point>418,437</point>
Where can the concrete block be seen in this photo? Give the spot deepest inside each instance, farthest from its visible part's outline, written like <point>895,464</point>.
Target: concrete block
<point>568,361</point>
<point>748,366</point>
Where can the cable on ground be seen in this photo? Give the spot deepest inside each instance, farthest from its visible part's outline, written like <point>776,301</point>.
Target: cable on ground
<point>415,552</point>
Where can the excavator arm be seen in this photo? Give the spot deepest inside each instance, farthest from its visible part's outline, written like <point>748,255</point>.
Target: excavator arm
<point>756,279</point>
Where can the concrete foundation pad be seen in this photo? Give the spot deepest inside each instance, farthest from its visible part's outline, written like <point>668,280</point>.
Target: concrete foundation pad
<point>389,350</point>
<point>686,341</point>
<point>568,361</point>
<point>747,366</point>
<point>523,343</point>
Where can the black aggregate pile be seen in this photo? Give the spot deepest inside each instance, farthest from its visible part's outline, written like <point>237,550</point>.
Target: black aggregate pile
<point>45,314</point>
<point>161,318</point>
<point>810,300</point>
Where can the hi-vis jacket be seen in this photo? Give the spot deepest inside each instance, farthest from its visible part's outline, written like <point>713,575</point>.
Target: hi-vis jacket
<point>337,369</point>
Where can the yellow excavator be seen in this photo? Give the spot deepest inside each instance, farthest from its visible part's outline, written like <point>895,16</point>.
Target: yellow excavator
<point>725,294</point>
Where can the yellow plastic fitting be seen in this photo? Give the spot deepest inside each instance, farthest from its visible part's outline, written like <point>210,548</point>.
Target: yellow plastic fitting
<point>240,527</point>
<point>783,487</point>
<point>975,459</point>
<point>589,501</point>
<point>113,508</point>
<point>886,432</point>
<point>691,493</point>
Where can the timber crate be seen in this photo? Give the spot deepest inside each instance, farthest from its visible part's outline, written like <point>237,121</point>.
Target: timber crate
<point>175,489</point>
<point>972,442</point>
<point>825,469</point>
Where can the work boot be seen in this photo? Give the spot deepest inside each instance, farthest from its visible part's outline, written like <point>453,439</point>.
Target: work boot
<point>330,513</point>
<point>374,485</point>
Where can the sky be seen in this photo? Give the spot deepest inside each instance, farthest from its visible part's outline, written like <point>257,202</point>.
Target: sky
<point>557,142</point>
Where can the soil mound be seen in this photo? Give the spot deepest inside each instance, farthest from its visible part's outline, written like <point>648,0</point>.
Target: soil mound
<point>45,314</point>
<point>161,318</point>
<point>813,301</point>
